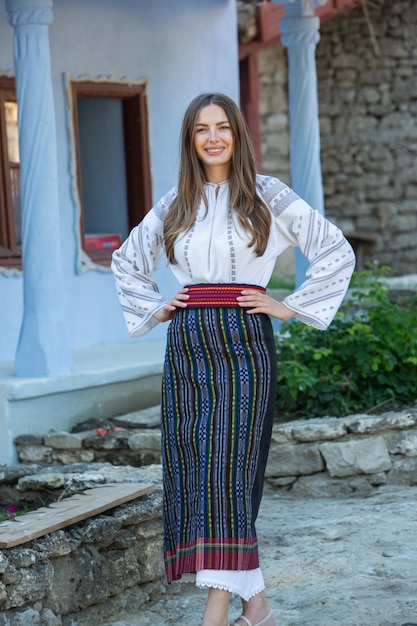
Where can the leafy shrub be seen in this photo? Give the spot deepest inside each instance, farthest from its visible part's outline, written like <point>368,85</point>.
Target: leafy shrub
<point>367,358</point>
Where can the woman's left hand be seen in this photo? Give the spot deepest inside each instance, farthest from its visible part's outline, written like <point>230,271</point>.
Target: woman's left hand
<point>258,302</point>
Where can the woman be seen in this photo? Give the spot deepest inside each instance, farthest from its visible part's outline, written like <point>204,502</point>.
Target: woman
<point>222,230</point>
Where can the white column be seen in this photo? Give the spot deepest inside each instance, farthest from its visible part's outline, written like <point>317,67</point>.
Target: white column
<point>300,35</point>
<point>43,348</point>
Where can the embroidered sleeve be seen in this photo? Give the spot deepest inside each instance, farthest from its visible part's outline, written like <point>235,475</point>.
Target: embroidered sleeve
<point>132,266</point>
<point>331,258</point>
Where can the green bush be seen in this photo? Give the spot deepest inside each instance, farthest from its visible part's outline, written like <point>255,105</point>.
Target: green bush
<point>367,359</point>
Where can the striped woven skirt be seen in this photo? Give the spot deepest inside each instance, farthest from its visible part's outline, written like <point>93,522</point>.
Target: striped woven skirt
<point>218,401</point>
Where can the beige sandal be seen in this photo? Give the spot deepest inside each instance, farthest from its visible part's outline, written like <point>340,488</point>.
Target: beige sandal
<point>269,620</point>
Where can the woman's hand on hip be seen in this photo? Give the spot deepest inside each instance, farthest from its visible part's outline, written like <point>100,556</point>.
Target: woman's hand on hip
<point>257,302</point>
<point>166,313</point>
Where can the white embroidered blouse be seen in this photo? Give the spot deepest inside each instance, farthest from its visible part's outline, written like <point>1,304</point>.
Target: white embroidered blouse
<point>215,250</point>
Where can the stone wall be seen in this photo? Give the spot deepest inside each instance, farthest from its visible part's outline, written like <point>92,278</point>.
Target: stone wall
<point>367,67</point>
<point>311,457</point>
<point>274,132</point>
<point>133,439</point>
<point>273,112</point>
<point>329,457</point>
<point>368,106</point>
<point>91,571</point>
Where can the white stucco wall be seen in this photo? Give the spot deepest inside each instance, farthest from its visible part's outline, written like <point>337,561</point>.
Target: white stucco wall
<point>181,47</point>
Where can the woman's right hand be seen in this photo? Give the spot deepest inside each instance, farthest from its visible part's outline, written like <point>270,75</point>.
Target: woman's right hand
<point>166,313</point>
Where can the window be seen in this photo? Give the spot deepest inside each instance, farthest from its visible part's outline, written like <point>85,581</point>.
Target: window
<point>10,215</point>
<point>113,172</point>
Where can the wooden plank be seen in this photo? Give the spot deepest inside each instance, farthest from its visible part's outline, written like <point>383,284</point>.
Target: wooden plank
<point>69,511</point>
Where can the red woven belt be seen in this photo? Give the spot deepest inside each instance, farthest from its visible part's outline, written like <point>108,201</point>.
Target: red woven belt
<point>217,295</point>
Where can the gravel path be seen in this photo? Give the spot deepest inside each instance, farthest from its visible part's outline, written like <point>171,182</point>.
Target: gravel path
<point>351,562</point>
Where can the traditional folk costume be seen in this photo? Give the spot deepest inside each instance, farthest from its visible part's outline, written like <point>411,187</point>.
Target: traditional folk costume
<point>219,383</point>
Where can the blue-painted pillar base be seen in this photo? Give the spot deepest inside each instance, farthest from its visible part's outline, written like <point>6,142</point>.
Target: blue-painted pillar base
<point>300,35</point>
<point>43,348</point>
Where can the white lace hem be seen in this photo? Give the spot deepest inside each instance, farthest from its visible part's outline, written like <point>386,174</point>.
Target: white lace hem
<point>246,583</point>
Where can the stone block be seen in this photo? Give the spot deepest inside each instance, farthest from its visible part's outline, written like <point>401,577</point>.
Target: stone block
<point>11,474</point>
<point>378,479</point>
<point>150,530</point>
<point>145,440</point>
<point>144,510</point>
<point>110,441</point>
<point>278,122</point>
<point>403,472</point>
<point>63,440</point>
<point>79,481</point>
<point>319,429</point>
<point>375,76</point>
<point>130,600</point>
<point>146,418</point>
<point>361,424</point>
<point>150,559</point>
<point>24,617</point>
<point>101,529</point>
<point>393,48</point>
<point>52,480</point>
<point>3,596</point>
<point>360,486</point>
<point>369,95</point>
<point>34,454</point>
<point>127,474</point>
<point>4,562</point>
<point>281,433</point>
<point>294,460</point>
<point>318,486</point>
<point>322,485</point>
<point>124,539</point>
<point>346,61</point>
<point>24,557</point>
<point>282,481</point>
<point>120,569</point>
<point>411,192</point>
<point>57,544</point>
<point>404,442</point>
<point>362,456</point>
<point>30,587</point>
<point>11,576</point>
<point>48,618</point>
<point>347,76</point>
<point>26,440</point>
<point>68,457</point>
<point>70,589</point>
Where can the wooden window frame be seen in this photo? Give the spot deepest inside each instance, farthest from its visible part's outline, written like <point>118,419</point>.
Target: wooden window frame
<point>137,162</point>
<point>10,252</point>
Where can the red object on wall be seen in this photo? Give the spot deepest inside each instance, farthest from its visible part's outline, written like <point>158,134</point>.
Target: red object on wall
<point>102,242</point>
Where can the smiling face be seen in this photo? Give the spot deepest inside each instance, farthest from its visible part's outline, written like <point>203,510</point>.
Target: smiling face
<point>213,142</point>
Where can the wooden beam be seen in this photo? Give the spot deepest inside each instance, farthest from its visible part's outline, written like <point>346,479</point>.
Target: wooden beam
<point>269,14</point>
<point>249,100</point>
<point>68,511</point>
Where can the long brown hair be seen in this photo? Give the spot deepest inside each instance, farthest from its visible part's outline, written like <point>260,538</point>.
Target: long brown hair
<point>252,212</point>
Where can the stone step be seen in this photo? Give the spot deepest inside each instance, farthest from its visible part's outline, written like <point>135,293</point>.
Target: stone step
<point>145,418</point>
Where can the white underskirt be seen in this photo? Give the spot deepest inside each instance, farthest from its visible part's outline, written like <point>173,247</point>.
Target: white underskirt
<point>246,583</point>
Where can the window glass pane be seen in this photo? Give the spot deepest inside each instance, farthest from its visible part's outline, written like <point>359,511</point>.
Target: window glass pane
<point>15,184</point>
<point>10,112</point>
<point>103,170</point>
